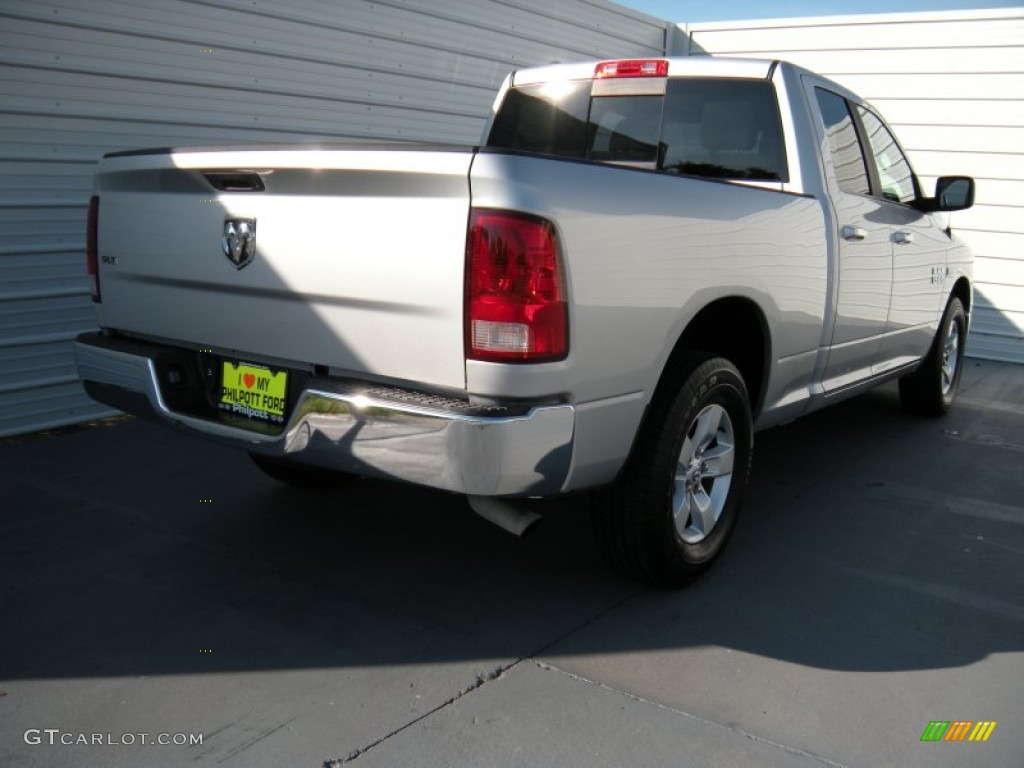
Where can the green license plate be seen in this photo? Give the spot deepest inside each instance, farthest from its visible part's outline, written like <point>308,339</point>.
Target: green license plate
<point>253,391</point>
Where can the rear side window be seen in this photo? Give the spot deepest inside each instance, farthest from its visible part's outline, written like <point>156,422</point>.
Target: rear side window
<point>844,146</point>
<point>550,119</point>
<point>729,129</point>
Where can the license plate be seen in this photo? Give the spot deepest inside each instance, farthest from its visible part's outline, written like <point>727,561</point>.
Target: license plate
<point>253,391</point>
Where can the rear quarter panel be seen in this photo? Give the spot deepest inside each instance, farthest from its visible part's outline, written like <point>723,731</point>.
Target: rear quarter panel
<point>644,253</point>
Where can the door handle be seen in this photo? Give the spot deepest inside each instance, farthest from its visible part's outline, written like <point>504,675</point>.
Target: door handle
<point>903,238</point>
<point>853,233</point>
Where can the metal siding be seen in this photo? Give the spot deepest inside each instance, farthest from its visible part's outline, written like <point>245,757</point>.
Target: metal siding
<point>82,77</point>
<point>951,84</point>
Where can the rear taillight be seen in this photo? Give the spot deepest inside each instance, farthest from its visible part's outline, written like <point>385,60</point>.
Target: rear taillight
<point>632,68</point>
<point>515,289</point>
<point>91,255</point>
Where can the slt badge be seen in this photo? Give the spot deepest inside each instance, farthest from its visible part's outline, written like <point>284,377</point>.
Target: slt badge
<point>239,241</point>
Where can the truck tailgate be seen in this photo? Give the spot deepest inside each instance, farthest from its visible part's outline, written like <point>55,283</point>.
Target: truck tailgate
<point>358,261</point>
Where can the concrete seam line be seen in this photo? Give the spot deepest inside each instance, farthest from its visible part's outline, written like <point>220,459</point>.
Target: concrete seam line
<point>481,680</point>
<point>640,699</point>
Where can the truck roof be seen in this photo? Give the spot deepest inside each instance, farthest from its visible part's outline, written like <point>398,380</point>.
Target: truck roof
<point>689,66</point>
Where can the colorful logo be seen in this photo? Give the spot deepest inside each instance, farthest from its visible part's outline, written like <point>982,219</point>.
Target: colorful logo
<point>959,730</point>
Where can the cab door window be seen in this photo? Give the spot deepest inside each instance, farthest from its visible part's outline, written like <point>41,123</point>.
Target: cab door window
<point>895,177</point>
<point>723,128</point>
<point>843,143</point>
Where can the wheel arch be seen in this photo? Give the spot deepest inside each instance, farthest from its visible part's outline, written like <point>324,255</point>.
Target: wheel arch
<point>962,290</point>
<point>735,328</point>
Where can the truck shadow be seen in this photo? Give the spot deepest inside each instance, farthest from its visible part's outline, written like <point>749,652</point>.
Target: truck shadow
<point>128,549</point>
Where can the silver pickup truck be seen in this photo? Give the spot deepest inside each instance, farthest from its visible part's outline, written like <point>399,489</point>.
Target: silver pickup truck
<point>643,263</point>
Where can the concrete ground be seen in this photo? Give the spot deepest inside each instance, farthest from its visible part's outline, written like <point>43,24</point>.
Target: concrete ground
<point>153,584</point>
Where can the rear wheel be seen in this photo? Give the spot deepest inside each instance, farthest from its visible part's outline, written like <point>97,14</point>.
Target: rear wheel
<point>931,389</point>
<point>299,475</point>
<point>672,510</point>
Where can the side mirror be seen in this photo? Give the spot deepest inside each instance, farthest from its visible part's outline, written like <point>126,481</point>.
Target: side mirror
<point>953,193</point>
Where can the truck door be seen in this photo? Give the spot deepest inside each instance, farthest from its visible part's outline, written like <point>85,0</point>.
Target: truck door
<point>863,263</point>
<point>919,249</point>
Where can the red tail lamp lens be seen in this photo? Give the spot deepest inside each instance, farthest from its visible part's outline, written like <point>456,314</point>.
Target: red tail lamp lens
<point>515,289</point>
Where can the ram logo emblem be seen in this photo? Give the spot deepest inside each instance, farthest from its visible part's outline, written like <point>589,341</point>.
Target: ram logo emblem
<point>239,241</point>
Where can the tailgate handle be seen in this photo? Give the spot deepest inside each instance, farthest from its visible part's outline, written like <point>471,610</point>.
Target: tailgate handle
<point>235,181</point>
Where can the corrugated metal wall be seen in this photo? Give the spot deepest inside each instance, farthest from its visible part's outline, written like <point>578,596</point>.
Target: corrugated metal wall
<point>952,85</point>
<point>82,77</point>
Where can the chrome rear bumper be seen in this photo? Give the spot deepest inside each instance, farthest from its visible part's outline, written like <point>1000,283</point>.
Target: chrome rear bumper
<point>344,428</point>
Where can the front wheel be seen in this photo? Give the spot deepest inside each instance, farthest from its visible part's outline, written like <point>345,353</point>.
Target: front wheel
<point>671,512</point>
<point>931,389</point>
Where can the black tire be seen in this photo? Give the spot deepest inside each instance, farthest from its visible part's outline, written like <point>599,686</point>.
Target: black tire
<point>299,475</point>
<point>634,518</point>
<point>932,388</point>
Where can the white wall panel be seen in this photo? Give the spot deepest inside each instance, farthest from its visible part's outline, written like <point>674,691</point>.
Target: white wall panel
<point>990,218</point>
<point>972,160</point>
<point>994,112</point>
<point>948,86</point>
<point>867,61</point>
<point>82,77</point>
<point>952,86</point>
<point>1000,140</point>
<point>1008,272</point>
<point>997,245</point>
<point>880,32</point>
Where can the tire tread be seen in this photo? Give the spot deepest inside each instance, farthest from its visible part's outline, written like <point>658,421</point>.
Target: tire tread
<point>920,391</point>
<point>629,534</point>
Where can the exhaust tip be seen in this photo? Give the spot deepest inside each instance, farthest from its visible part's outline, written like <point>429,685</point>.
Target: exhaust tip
<point>505,515</point>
